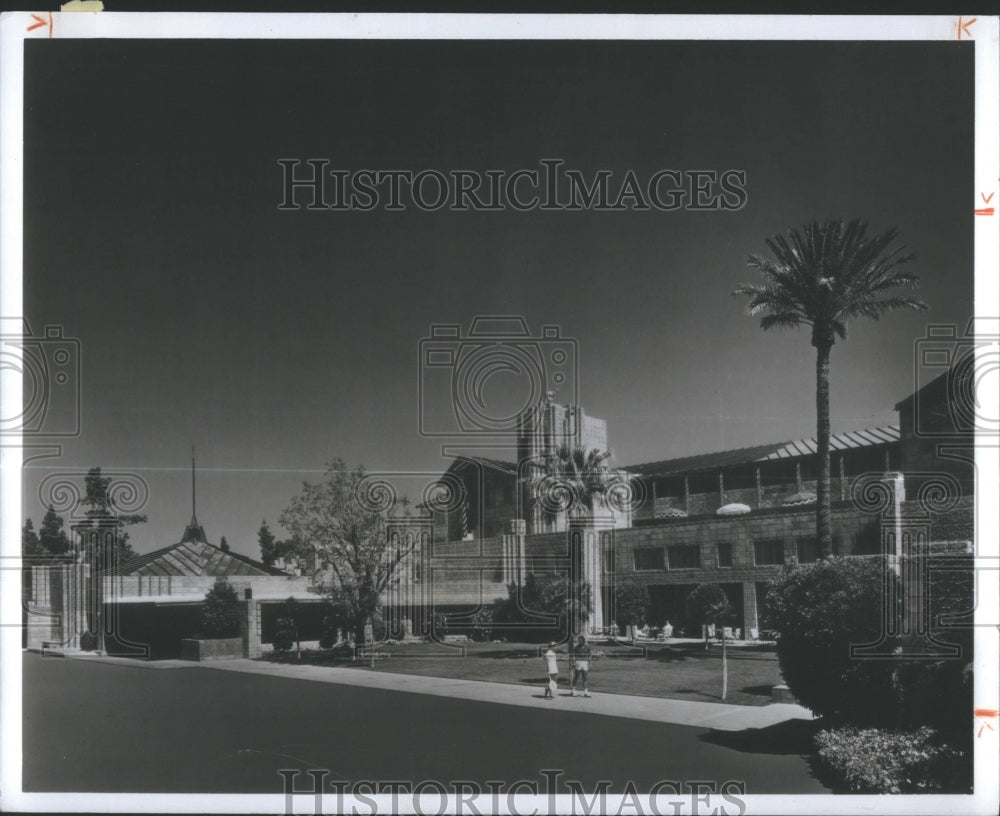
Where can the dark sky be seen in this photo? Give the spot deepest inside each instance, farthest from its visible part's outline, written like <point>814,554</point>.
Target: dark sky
<point>275,341</point>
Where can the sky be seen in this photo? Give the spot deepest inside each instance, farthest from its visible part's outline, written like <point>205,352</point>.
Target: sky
<point>276,340</point>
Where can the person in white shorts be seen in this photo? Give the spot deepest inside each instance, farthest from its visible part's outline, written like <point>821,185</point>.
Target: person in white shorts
<point>581,665</point>
<point>553,670</point>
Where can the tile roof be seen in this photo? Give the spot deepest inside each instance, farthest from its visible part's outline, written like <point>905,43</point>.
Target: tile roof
<point>763,453</point>
<point>195,559</point>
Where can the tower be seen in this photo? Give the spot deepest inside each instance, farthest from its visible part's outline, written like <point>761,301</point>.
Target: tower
<point>194,532</point>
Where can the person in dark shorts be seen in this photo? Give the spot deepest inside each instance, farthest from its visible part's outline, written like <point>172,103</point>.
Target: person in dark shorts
<point>581,665</point>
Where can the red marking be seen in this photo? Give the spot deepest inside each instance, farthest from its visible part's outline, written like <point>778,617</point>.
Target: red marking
<point>965,27</point>
<point>985,199</point>
<point>40,22</point>
<point>984,211</point>
<point>986,712</point>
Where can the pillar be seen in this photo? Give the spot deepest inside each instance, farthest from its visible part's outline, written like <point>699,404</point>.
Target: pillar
<point>749,607</point>
<point>251,625</point>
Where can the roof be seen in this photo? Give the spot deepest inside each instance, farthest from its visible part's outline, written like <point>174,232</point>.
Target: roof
<point>495,464</point>
<point>762,453</point>
<point>195,558</point>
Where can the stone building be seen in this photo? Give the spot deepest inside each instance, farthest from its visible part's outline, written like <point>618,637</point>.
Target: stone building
<point>730,517</point>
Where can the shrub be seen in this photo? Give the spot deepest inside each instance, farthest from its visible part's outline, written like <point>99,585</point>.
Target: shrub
<point>631,603</point>
<point>88,641</point>
<point>285,635</point>
<point>878,761</point>
<point>820,609</point>
<point>482,624</point>
<point>222,612</point>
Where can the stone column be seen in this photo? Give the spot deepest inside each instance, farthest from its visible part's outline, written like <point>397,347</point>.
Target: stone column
<point>251,625</point>
<point>586,532</point>
<point>749,607</point>
<point>513,566</point>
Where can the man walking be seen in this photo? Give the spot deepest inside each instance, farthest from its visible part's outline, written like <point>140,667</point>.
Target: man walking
<point>581,665</point>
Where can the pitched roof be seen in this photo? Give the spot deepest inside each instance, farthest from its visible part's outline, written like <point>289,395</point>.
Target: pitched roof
<point>195,558</point>
<point>763,453</point>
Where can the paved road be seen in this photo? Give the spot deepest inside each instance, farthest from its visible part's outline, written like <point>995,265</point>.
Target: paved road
<point>99,727</point>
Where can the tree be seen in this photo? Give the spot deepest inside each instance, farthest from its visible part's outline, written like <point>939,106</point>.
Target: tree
<point>552,594</point>
<point>631,603</point>
<point>51,534</point>
<point>222,612</point>
<point>224,545</point>
<point>31,548</point>
<point>573,481</point>
<point>101,514</point>
<point>338,526</point>
<point>822,276</point>
<point>707,603</point>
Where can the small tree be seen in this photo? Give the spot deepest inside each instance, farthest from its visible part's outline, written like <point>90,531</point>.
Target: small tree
<point>708,604</point>
<point>51,534</point>
<point>631,603</point>
<point>221,612</point>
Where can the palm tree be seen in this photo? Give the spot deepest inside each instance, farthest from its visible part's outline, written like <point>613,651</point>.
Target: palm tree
<point>822,276</point>
<point>573,481</point>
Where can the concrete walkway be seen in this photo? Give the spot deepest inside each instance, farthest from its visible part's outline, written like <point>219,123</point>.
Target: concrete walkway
<point>651,709</point>
<point>719,716</point>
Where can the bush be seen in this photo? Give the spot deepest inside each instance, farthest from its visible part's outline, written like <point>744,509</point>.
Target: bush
<point>482,624</point>
<point>820,609</point>
<point>878,761</point>
<point>285,635</point>
<point>222,612</point>
<point>88,641</point>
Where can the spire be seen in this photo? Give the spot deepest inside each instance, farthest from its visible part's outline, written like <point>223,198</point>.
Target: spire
<point>194,532</point>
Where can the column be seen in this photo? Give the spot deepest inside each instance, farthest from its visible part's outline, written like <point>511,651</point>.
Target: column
<point>749,607</point>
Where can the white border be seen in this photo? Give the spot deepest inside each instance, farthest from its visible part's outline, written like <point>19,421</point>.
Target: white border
<point>13,32</point>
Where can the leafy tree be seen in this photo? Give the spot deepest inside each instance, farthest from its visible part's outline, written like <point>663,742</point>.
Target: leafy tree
<point>631,603</point>
<point>31,547</point>
<point>552,594</point>
<point>101,514</point>
<point>51,534</point>
<point>707,603</point>
<point>822,276</point>
<point>221,612</point>
<point>341,530</point>
<point>224,545</point>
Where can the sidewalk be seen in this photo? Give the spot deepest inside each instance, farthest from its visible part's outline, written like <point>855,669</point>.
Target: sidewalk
<point>652,709</point>
<point>720,716</point>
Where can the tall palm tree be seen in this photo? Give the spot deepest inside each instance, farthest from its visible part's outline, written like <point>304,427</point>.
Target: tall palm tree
<point>822,276</point>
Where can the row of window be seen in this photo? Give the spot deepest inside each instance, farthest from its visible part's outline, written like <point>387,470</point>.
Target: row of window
<point>766,552</point>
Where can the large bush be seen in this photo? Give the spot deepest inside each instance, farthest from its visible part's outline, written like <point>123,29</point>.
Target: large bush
<point>820,609</point>
<point>879,761</point>
<point>221,612</point>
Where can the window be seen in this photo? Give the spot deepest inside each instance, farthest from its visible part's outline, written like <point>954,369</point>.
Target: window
<point>725,555</point>
<point>808,550</point>
<point>770,551</point>
<point>648,558</point>
<point>685,557</point>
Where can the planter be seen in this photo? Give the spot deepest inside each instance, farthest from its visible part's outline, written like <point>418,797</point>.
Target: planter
<point>211,648</point>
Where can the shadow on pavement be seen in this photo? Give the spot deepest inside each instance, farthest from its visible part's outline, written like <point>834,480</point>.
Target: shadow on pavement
<point>789,737</point>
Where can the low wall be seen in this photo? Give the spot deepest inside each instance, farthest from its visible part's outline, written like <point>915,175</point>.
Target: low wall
<point>211,648</point>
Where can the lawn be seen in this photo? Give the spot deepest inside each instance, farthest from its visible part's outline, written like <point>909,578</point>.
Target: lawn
<point>683,671</point>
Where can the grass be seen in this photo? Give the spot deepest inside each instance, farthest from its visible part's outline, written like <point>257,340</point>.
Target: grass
<point>683,671</point>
